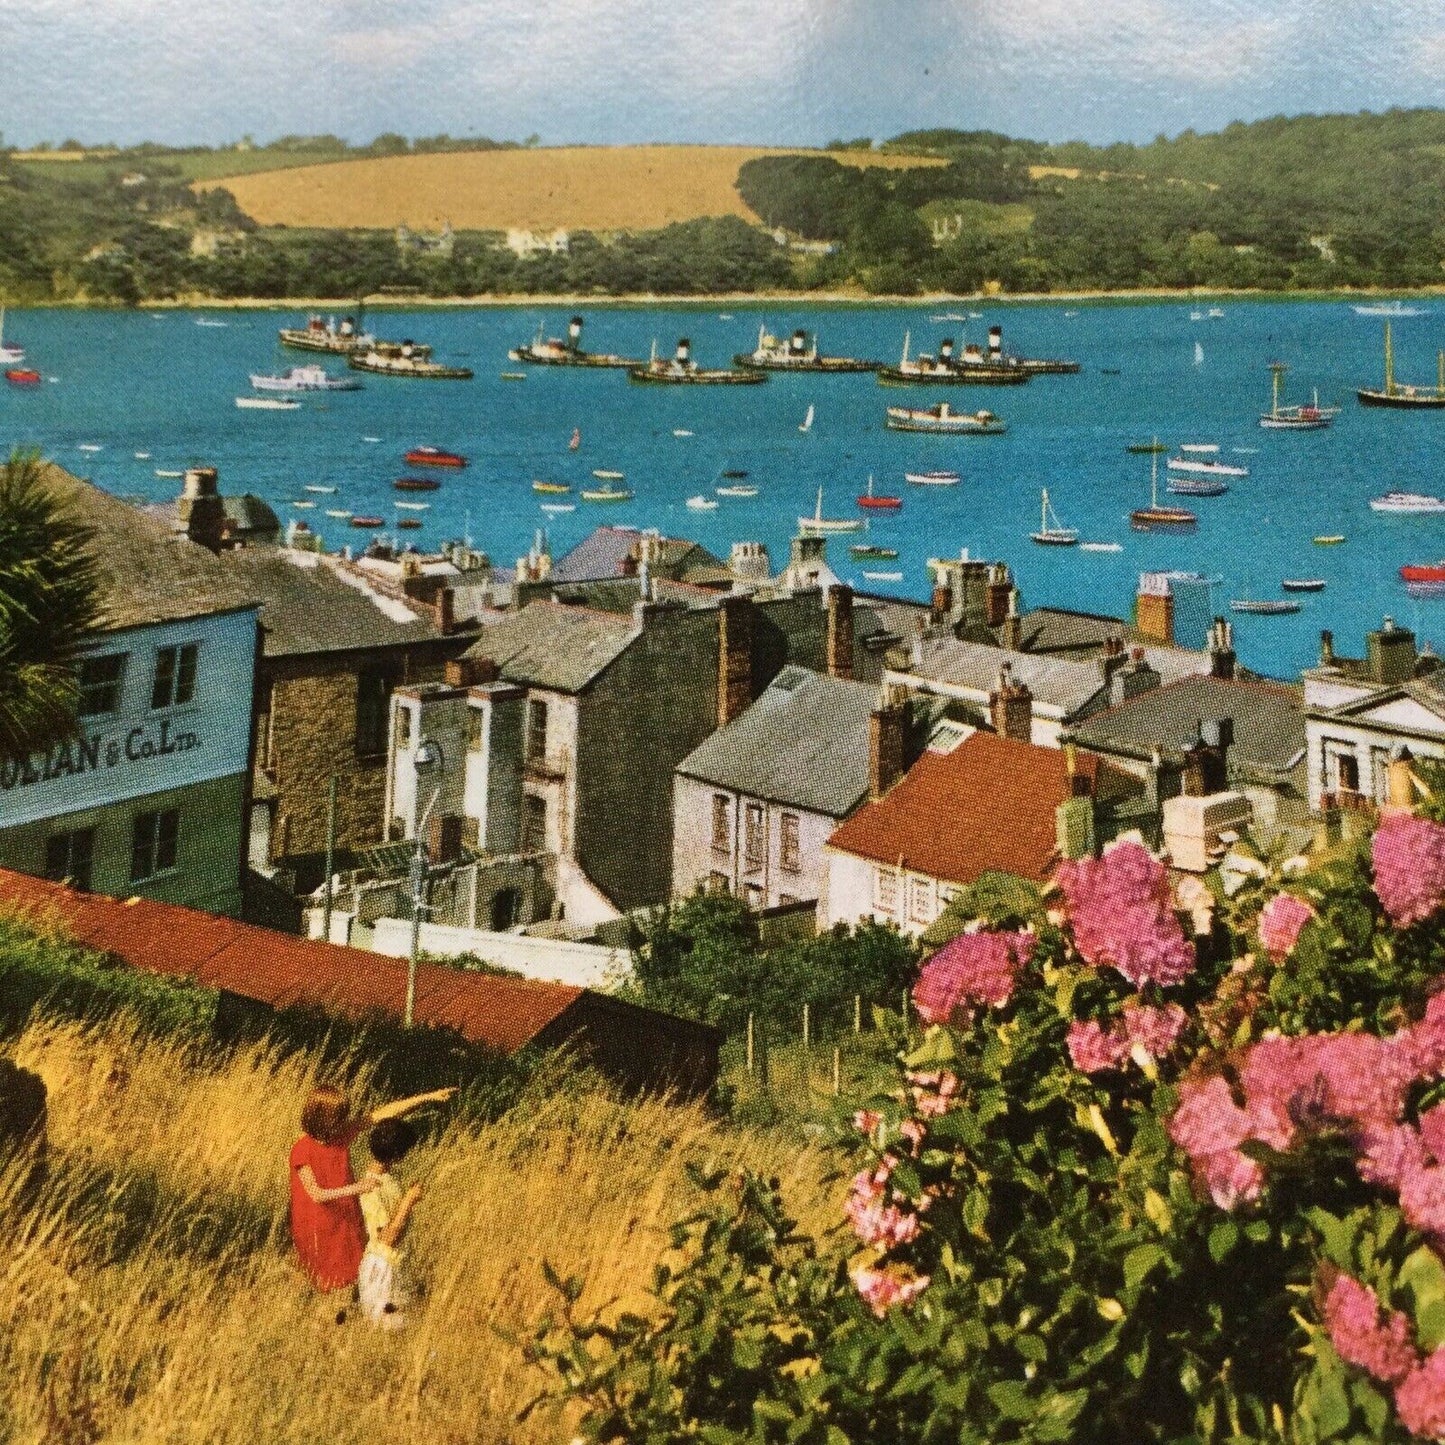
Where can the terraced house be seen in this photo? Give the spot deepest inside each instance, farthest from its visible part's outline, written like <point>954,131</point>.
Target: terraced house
<point>151,794</point>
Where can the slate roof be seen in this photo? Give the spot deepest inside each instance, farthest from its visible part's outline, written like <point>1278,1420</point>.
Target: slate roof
<point>803,743</point>
<point>1056,682</point>
<point>1076,636</point>
<point>621,594</point>
<point>147,573</point>
<point>601,555</point>
<point>307,607</point>
<point>549,645</point>
<point>247,514</point>
<point>987,806</point>
<point>1269,722</point>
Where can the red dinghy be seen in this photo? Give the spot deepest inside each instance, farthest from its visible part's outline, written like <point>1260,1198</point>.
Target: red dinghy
<point>22,376</point>
<point>434,457</point>
<point>1427,578</point>
<point>878,502</point>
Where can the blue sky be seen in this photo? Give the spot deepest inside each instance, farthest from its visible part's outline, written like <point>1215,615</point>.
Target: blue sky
<point>783,71</point>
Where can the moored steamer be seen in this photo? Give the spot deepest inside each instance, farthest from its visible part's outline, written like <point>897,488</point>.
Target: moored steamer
<point>405,359</point>
<point>326,335</point>
<point>681,370</point>
<point>1035,366</point>
<point>796,353</point>
<point>946,369</point>
<point>558,351</point>
<point>942,420</point>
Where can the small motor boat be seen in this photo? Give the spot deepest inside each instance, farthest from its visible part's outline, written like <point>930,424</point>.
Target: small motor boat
<point>1303,584</point>
<point>416,484</point>
<point>434,457</point>
<point>23,376</point>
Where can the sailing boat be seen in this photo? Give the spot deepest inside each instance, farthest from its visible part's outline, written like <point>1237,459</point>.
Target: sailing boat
<point>1155,518</point>
<point>818,523</point>
<point>876,500</point>
<point>1311,417</point>
<point>576,439</point>
<point>807,423</point>
<point>1402,396</point>
<point>9,355</point>
<point>1055,535</point>
<point>1198,354</point>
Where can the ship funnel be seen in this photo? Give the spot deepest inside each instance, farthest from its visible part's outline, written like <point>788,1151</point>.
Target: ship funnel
<point>574,329</point>
<point>684,349</point>
<point>945,349</point>
<point>995,341</point>
<point>799,342</point>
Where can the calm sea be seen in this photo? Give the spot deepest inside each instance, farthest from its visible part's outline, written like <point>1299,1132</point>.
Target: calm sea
<point>160,383</point>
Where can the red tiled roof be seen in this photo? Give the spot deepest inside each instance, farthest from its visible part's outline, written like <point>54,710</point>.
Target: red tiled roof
<point>279,970</point>
<point>987,806</point>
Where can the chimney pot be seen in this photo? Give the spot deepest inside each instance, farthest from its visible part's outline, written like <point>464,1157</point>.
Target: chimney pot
<point>885,747</point>
<point>840,632</point>
<point>734,656</point>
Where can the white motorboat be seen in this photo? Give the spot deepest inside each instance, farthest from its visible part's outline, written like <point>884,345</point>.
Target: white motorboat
<point>168,475</point>
<point>701,504</point>
<point>1101,546</point>
<point>1201,459</point>
<point>10,355</point>
<point>884,576</point>
<point>745,490</point>
<point>559,506</point>
<point>316,487</point>
<point>304,378</point>
<point>932,479</point>
<point>1389,308</point>
<point>818,523</point>
<point>1407,502</point>
<point>266,403</point>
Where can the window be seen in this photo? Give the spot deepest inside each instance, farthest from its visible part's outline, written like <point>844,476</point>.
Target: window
<point>789,859</point>
<point>920,900</point>
<point>373,701</point>
<point>534,823</point>
<point>475,734</point>
<point>1347,772</point>
<point>536,730</point>
<point>722,823</point>
<point>100,679</point>
<point>885,890</point>
<point>753,896</point>
<point>755,841</point>
<point>175,679</point>
<point>68,856</point>
<point>153,843</point>
<point>403,729</point>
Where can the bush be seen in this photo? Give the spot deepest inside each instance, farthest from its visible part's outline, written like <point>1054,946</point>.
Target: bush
<point>1125,1188</point>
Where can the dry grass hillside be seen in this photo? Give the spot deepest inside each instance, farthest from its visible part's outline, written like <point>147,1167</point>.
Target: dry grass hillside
<point>602,188</point>
<point>150,1293</point>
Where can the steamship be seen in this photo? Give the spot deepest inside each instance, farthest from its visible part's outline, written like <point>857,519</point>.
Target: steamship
<point>405,358</point>
<point>555,351</point>
<point>681,370</point>
<point>942,420</point>
<point>946,369</point>
<point>1034,365</point>
<point>326,335</point>
<point>796,353</point>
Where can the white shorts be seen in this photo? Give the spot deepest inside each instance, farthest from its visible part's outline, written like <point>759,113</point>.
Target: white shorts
<point>381,1290</point>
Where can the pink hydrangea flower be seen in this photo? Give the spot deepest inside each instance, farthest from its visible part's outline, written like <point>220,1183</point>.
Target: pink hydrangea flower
<point>865,1121</point>
<point>974,968</point>
<point>1330,1077</point>
<point>1422,1197</point>
<point>1409,859</point>
<point>1420,1398</point>
<point>1122,915</point>
<point>1155,1029</point>
<point>1388,1153</point>
<point>1352,1316</point>
<point>1209,1126</point>
<point>884,1291</point>
<point>1281,923</point>
<point>1424,1042</point>
<point>1092,1049</point>
<point>881,1225</point>
<point>914,1132</point>
<point>933,1094</point>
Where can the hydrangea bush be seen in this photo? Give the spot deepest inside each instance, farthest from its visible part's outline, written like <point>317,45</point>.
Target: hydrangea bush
<point>1152,1174</point>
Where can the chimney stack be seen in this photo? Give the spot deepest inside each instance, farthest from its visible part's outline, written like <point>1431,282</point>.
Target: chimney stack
<point>470,671</point>
<point>684,350</point>
<point>885,745</point>
<point>574,331</point>
<point>840,631</point>
<point>1327,647</point>
<point>1132,679</point>
<point>799,344</point>
<point>1154,607</point>
<point>1390,654</point>
<point>995,343</point>
<point>1206,759</point>
<point>945,349</point>
<point>942,605</point>
<point>1221,649</point>
<point>734,656</point>
<point>446,610</point>
<point>1011,707</point>
<point>996,598</point>
<point>200,512</point>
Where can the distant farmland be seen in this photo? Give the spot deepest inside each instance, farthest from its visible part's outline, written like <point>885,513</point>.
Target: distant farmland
<point>600,188</point>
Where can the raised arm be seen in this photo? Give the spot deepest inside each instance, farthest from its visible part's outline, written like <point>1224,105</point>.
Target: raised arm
<point>318,1195</point>
<point>400,1107</point>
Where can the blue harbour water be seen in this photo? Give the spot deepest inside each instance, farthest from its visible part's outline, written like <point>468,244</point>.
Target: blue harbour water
<point>160,383</point>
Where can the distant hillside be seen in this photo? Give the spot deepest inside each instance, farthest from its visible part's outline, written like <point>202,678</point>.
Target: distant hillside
<point>1314,202</point>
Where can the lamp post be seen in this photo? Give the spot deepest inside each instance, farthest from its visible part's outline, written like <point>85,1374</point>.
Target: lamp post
<point>427,762</point>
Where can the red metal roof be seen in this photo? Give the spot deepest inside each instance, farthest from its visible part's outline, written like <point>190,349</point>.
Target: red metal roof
<point>279,970</point>
<point>987,806</point>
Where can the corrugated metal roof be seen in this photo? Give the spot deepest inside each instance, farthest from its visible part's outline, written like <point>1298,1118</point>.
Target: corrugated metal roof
<point>804,742</point>
<point>279,970</point>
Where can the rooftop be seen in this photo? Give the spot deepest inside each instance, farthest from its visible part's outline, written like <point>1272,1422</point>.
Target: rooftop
<point>986,806</point>
<point>1055,682</point>
<point>1077,636</point>
<point>148,574</point>
<point>803,743</point>
<point>603,553</point>
<point>310,606</point>
<point>247,516</point>
<point>547,644</point>
<point>1269,723</point>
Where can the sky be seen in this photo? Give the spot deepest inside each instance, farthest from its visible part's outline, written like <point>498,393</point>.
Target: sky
<point>798,72</point>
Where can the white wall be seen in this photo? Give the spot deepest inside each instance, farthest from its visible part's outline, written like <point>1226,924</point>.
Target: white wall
<point>135,751</point>
<point>851,895</point>
<point>548,960</point>
<point>1370,745</point>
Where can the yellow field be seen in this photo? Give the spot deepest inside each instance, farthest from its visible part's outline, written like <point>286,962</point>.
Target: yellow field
<point>150,1292</point>
<point>603,188</point>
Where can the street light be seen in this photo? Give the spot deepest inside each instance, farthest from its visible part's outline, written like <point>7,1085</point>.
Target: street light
<point>427,762</point>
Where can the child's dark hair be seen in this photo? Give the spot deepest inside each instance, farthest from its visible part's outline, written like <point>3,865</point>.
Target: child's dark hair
<point>390,1140</point>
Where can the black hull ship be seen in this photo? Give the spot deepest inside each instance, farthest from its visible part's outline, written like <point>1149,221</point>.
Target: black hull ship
<point>682,370</point>
<point>947,370</point>
<point>1403,397</point>
<point>326,336</point>
<point>558,352</point>
<point>405,359</point>
<point>796,354</point>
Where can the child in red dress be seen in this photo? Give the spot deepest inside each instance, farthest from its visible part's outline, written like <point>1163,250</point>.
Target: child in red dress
<point>326,1223</point>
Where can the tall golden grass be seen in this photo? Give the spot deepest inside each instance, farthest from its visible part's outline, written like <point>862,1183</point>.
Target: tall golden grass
<point>594,188</point>
<point>150,1292</point>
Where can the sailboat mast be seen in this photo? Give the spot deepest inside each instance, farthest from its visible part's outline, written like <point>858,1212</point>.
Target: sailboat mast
<point>1440,381</point>
<point>1044,512</point>
<point>906,337</point>
<point>1389,363</point>
<point>1278,371</point>
<point>1154,475</point>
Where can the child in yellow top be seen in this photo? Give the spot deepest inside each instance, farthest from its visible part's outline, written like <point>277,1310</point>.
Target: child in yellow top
<point>381,1284</point>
